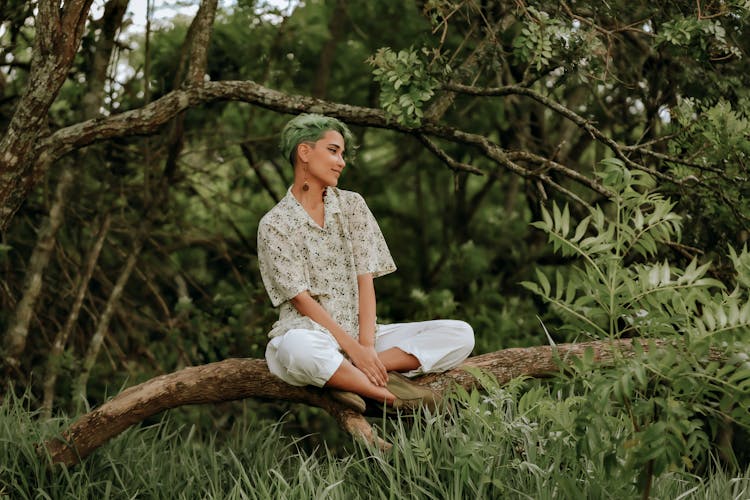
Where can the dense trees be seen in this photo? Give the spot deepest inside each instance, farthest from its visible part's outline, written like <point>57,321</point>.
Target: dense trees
<point>134,166</point>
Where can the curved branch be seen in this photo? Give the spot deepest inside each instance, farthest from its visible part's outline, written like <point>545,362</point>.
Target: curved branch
<point>453,164</point>
<point>149,118</point>
<point>234,379</point>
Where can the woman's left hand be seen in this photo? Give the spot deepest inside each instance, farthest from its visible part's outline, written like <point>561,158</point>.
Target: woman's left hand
<point>368,362</point>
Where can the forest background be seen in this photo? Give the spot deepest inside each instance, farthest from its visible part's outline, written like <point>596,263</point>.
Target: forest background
<point>136,164</point>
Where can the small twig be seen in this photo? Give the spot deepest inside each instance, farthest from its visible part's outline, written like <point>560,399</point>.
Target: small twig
<point>570,194</point>
<point>248,154</point>
<point>549,164</point>
<point>685,250</point>
<point>562,110</point>
<point>454,165</point>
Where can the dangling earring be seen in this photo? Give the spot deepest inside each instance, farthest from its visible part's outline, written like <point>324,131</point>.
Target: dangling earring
<point>305,185</point>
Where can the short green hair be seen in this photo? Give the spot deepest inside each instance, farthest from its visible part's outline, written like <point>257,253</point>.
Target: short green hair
<point>311,127</point>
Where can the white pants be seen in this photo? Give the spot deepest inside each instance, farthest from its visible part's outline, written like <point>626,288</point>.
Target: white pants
<point>310,357</point>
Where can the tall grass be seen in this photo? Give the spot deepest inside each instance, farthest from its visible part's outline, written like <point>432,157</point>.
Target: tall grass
<point>510,442</point>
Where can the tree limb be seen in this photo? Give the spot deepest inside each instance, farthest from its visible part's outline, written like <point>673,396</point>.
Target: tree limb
<point>234,379</point>
<point>199,40</point>
<point>149,118</point>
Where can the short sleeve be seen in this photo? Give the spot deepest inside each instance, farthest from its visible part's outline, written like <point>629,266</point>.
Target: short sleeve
<point>371,254</point>
<point>281,266</point>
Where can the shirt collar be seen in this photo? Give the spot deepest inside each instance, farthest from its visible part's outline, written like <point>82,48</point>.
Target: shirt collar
<point>331,203</point>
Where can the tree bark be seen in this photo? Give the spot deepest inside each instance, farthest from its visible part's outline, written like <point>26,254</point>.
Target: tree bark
<point>58,35</point>
<point>199,39</point>
<point>111,20</point>
<point>235,379</point>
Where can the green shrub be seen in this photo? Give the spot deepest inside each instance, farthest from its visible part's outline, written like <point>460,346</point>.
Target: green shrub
<point>664,407</point>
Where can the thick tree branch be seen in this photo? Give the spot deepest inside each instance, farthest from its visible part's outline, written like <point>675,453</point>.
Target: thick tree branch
<point>49,31</point>
<point>72,23</point>
<point>149,118</point>
<point>235,379</point>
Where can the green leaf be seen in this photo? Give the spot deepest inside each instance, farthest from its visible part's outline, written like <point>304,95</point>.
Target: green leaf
<point>721,317</point>
<point>544,282</point>
<point>531,286</point>
<point>565,221</point>
<point>557,217</point>
<point>709,320</point>
<point>581,229</point>
<point>547,219</point>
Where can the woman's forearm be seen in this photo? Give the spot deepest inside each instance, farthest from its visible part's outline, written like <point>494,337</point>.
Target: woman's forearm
<point>367,306</point>
<point>307,306</point>
<point>362,355</point>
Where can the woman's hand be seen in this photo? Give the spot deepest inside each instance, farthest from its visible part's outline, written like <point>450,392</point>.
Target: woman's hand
<point>366,359</point>
<point>363,356</point>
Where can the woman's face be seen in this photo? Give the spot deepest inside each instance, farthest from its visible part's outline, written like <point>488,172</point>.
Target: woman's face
<point>325,159</point>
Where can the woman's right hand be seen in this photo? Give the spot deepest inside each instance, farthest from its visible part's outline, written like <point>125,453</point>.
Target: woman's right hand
<point>366,359</point>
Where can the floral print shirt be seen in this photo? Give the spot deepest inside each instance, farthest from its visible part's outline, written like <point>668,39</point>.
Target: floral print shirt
<point>296,254</point>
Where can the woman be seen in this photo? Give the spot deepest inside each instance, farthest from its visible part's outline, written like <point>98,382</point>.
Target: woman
<point>319,249</point>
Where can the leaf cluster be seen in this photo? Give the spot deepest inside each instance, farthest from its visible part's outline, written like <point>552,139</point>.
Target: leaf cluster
<point>405,83</point>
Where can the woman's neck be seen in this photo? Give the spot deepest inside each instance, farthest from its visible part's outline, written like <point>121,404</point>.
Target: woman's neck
<point>313,197</point>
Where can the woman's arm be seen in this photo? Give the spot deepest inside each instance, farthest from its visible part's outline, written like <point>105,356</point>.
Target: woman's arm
<point>366,310</point>
<point>366,359</point>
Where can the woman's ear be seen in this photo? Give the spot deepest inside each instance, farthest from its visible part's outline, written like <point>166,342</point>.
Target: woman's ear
<point>303,151</point>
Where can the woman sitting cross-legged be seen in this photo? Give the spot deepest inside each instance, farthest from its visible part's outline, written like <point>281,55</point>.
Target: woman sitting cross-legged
<point>319,249</point>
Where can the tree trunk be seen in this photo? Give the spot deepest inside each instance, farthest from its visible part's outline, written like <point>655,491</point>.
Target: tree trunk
<point>91,102</point>
<point>234,379</point>
<point>328,53</point>
<point>18,328</point>
<point>58,35</point>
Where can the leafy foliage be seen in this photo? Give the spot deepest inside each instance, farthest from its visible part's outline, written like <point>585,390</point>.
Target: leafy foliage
<point>405,84</point>
<point>679,396</point>
<point>670,77</point>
